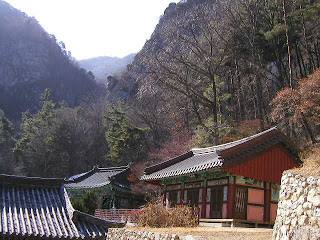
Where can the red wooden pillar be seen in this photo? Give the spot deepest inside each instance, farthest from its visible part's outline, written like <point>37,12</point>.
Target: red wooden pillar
<point>204,200</point>
<point>182,194</point>
<point>164,195</point>
<point>267,201</point>
<point>231,188</point>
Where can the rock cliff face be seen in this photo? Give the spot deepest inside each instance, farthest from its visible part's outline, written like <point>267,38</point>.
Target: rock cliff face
<point>128,81</point>
<point>32,60</point>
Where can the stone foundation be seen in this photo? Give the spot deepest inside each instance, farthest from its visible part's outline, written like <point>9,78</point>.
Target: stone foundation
<point>126,234</point>
<point>298,215</point>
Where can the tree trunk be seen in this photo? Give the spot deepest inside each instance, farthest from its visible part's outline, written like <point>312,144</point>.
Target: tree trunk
<point>215,111</point>
<point>239,94</point>
<point>302,75</point>
<point>285,16</point>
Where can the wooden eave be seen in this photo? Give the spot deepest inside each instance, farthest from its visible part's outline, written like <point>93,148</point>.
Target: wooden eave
<point>226,153</point>
<point>168,163</point>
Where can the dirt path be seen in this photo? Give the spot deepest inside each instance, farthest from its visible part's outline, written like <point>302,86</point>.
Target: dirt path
<point>215,233</point>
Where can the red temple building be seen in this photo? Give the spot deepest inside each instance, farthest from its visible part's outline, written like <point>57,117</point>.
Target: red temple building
<point>233,182</point>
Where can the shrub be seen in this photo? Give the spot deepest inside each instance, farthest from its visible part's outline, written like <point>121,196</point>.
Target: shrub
<point>90,201</point>
<point>78,204</point>
<point>88,204</point>
<point>155,214</point>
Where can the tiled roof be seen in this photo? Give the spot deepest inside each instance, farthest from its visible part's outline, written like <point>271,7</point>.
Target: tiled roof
<point>31,209</point>
<point>200,159</point>
<point>97,177</point>
<point>196,163</point>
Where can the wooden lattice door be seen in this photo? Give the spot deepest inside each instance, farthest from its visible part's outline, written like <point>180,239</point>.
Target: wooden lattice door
<point>216,202</point>
<point>240,204</point>
<point>173,196</point>
<point>193,197</point>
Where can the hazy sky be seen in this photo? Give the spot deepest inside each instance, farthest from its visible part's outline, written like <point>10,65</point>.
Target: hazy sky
<point>92,28</point>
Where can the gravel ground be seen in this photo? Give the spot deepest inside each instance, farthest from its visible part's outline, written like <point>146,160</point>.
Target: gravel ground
<point>216,233</point>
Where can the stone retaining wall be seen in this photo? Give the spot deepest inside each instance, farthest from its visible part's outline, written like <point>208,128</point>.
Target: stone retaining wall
<point>126,234</point>
<point>298,215</point>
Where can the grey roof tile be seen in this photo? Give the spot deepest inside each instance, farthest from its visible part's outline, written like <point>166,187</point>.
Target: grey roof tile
<point>97,177</point>
<point>196,163</point>
<point>28,209</point>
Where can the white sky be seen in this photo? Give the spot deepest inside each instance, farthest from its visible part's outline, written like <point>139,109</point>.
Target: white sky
<point>92,28</point>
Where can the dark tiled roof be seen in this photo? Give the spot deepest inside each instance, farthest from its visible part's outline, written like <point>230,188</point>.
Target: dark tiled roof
<point>200,159</point>
<point>97,177</point>
<point>29,209</point>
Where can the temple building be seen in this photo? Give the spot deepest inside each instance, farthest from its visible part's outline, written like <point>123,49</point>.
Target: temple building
<point>239,180</point>
<point>39,208</point>
<point>111,185</point>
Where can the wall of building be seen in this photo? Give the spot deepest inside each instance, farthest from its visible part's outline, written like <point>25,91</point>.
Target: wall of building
<point>258,199</point>
<point>126,234</point>
<point>267,166</point>
<point>298,215</point>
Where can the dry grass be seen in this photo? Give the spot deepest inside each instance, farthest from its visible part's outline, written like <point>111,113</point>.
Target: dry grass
<point>311,164</point>
<point>216,233</point>
<point>156,215</point>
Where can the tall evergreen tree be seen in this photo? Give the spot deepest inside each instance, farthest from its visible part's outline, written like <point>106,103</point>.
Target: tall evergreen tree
<point>60,142</point>
<point>126,141</point>
<point>32,146</point>
<point>6,144</point>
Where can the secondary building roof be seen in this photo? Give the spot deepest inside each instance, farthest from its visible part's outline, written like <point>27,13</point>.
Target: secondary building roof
<point>40,208</point>
<point>97,177</point>
<point>200,159</point>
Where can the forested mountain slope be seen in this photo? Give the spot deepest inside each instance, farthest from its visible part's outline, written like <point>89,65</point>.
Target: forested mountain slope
<point>32,60</point>
<point>213,68</point>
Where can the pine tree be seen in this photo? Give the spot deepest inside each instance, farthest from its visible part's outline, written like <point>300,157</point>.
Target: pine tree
<point>32,146</point>
<point>125,141</point>
<point>6,144</point>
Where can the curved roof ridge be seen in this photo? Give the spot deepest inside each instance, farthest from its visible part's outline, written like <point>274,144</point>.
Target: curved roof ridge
<point>97,177</point>
<point>230,144</point>
<point>114,168</point>
<point>81,176</point>
<point>168,162</point>
<point>30,181</point>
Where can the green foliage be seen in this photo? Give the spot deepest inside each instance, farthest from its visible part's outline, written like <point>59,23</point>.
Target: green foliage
<point>125,141</point>
<point>90,201</point>
<point>6,130</point>
<point>204,138</point>
<point>277,30</point>
<point>60,142</point>
<point>230,131</point>
<point>88,204</point>
<point>34,136</point>
<point>78,204</point>
<point>7,142</point>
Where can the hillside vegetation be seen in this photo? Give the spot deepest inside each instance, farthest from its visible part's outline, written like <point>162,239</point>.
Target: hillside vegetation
<point>32,60</point>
